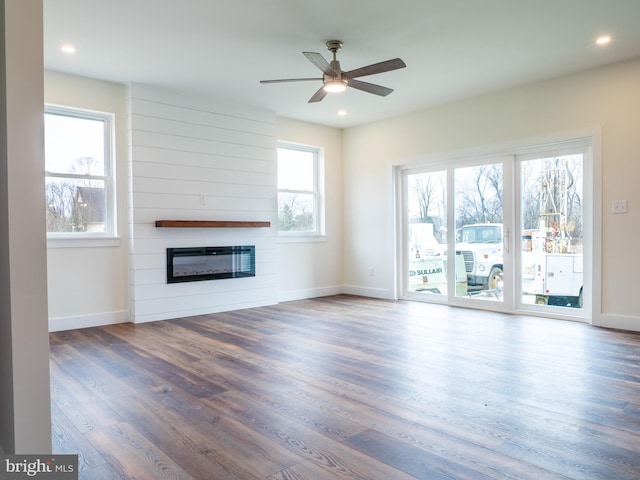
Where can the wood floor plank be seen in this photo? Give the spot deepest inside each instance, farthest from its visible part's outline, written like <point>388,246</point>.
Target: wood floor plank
<point>472,445</point>
<point>174,374</point>
<point>92,375</point>
<point>306,470</point>
<point>131,455</point>
<point>342,461</point>
<point>67,439</point>
<point>81,406</point>
<point>347,387</point>
<point>568,463</point>
<point>205,430</point>
<point>289,404</point>
<point>414,461</point>
<point>185,442</point>
<point>455,416</point>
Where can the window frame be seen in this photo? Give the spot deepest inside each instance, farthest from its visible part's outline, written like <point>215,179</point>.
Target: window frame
<point>318,233</point>
<point>109,236</point>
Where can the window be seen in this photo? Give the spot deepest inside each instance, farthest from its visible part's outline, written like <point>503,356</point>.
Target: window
<point>78,173</point>
<point>299,193</point>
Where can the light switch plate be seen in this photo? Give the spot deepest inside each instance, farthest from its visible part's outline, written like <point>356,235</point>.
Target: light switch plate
<point>619,206</point>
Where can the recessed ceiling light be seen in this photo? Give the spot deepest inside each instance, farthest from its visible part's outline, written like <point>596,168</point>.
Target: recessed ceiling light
<point>342,113</point>
<point>603,40</point>
<point>69,49</point>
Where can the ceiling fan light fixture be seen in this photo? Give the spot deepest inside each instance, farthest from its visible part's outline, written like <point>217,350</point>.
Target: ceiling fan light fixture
<point>335,86</point>
<point>334,79</point>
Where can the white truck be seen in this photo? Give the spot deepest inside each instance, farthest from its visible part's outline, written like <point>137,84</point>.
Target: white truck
<point>428,263</point>
<point>549,272</point>
<point>480,245</point>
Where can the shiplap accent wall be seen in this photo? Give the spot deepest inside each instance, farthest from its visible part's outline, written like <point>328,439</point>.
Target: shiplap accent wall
<point>197,159</point>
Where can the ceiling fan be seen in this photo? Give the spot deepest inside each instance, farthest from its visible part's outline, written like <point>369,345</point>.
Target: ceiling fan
<point>335,80</point>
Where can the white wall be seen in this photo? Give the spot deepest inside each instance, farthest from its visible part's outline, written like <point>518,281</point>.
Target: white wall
<point>193,158</point>
<point>313,269</point>
<point>606,97</point>
<point>25,410</point>
<point>88,285</point>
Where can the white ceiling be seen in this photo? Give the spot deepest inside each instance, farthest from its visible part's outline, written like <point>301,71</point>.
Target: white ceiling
<point>453,49</point>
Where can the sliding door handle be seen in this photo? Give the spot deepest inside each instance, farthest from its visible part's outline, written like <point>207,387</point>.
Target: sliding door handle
<point>505,240</point>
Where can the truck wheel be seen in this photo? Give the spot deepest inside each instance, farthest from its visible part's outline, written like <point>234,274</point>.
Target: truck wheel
<point>542,300</point>
<point>578,303</point>
<point>495,277</point>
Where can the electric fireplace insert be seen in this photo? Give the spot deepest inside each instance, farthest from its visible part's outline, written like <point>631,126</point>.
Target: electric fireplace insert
<point>192,264</point>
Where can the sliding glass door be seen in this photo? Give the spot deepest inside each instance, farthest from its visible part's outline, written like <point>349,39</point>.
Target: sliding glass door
<point>480,230</point>
<point>454,233</point>
<point>552,230</point>
<point>505,233</point>
<point>426,233</point>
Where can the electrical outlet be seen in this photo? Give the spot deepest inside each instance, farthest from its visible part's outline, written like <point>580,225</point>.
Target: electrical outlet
<point>371,271</point>
<point>619,206</point>
<point>203,200</point>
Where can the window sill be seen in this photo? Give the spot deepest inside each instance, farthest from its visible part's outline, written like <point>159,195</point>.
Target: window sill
<point>301,238</point>
<point>85,242</point>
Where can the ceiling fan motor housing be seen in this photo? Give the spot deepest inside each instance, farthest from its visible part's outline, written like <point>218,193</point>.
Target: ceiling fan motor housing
<point>334,46</point>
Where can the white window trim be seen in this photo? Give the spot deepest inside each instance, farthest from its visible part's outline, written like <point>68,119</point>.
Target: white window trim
<point>318,234</point>
<point>109,238</point>
<point>84,242</point>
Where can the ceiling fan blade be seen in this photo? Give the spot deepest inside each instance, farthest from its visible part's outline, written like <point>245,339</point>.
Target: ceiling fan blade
<point>319,95</point>
<point>320,62</point>
<point>370,87</point>
<point>282,80</point>
<point>381,67</point>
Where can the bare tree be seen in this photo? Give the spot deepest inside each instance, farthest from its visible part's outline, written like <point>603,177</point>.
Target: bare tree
<point>64,212</point>
<point>551,198</point>
<point>59,196</point>
<point>428,193</point>
<point>295,214</point>
<point>574,167</point>
<point>423,190</point>
<point>530,196</point>
<point>479,195</point>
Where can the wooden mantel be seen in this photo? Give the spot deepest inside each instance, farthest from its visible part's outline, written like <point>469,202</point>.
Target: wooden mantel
<point>210,224</point>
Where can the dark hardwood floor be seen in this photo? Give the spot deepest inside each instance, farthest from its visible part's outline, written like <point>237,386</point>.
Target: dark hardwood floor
<point>348,388</point>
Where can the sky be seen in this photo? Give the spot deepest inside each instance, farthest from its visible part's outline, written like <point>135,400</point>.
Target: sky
<point>70,138</point>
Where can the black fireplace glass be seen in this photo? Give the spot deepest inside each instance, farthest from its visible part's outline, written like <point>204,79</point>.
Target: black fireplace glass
<point>192,264</point>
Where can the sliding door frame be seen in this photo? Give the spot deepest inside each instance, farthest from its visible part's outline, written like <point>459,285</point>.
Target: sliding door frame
<point>592,197</point>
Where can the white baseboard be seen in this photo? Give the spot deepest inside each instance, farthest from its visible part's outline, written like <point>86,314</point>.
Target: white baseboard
<point>291,295</point>
<point>382,293</point>
<point>619,322</point>
<point>84,321</point>
<point>157,317</point>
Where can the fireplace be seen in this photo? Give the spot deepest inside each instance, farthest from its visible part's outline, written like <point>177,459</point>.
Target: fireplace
<point>193,264</point>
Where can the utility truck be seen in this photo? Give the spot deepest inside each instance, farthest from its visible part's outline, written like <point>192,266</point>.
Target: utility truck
<point>428,263</point>
<point>480,246</point>
<point>552,265</point>
<point>550,270</point>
